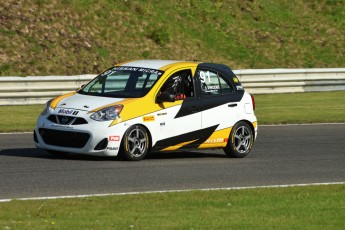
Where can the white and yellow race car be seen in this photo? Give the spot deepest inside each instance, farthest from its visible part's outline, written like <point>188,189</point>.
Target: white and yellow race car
<point>137,107</point>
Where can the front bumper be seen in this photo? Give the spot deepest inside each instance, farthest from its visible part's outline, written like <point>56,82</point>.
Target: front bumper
<point>94,138</point>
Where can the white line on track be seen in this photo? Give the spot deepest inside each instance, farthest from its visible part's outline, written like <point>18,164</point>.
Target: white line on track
<point>170,191</point>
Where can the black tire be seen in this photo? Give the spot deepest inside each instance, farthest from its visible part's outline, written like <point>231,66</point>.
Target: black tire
<point>135,143</point>
<point>240,141</point>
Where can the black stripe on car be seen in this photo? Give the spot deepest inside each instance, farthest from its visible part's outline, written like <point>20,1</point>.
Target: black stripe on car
<point>200,136</point>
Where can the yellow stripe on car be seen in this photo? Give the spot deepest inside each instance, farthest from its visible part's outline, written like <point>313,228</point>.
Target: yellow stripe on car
<point>180,145</point>
<point>218,139</point>
<point>60,98</point>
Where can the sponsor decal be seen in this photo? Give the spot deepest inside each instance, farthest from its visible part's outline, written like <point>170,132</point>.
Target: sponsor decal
<point>68,111</point>
<point>114,138</point>
<point>239,87</point>
<point>112,148</point>
<point>162,124</point>
<point>216,140</point>
<point>149,118</point>
<point>161,114</point>
<point>152,71</point>
<point>129,68</point>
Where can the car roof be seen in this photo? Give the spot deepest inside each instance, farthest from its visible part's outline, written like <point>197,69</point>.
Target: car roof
<point>166,64</point>
<point>156,64</point>
<point>221,68</point>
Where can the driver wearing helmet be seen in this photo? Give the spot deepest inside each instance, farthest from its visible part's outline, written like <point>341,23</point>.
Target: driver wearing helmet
<point>179,85</point>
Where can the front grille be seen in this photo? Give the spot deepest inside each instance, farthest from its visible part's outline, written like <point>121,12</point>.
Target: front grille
<point>67,120</point>
<point>64,138</point>
<point>79,121</point>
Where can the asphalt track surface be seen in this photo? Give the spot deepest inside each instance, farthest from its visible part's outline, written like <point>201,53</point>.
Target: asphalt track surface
<point>293,154</point>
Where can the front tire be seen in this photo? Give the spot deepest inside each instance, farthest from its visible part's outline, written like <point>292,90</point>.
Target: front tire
<point>240,141</point>
<point>135,144</point>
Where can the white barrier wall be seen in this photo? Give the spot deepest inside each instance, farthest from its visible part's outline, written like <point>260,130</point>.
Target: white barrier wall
<point>39,89</point>
<point>266,81</point>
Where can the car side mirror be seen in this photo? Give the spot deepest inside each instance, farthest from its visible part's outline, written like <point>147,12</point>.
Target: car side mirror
<point>165,97</point>
<point>82,86</point>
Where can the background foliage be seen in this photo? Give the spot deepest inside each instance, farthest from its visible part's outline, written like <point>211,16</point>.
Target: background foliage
<point>47,37</point>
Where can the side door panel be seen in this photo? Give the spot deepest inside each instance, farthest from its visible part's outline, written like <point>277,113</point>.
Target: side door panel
<point>219,107</point>
<point>180,124</point>
<point>217,112</point>
<point>179,130</point>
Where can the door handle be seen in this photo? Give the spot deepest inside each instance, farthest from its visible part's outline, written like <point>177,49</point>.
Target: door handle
<point>232,105</point>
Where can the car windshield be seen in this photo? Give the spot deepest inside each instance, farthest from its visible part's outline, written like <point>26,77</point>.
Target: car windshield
<point>122,82</point>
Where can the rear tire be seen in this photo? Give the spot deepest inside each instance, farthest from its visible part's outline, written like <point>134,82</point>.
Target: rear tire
<point>240,141</point>
<point>135,144</point>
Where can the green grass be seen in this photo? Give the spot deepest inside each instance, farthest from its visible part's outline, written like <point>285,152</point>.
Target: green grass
<point>312,207</point>
<point>297,108</point>
<point>319,107</point>
<point>50,37</point>
<point>19,118</point>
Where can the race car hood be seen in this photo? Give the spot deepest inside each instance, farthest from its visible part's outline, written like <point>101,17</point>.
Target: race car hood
<point>85,102</point>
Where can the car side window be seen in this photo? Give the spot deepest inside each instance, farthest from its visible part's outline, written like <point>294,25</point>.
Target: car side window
<point>213,83</point>
<point>179,84</point>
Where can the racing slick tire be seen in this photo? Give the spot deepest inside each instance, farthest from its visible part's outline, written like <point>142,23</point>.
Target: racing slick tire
<point>240,141</point>
<point>135,144</point>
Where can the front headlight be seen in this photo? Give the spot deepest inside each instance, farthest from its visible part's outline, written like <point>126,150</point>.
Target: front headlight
<point>107,114</point>
<point>46,107</point>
